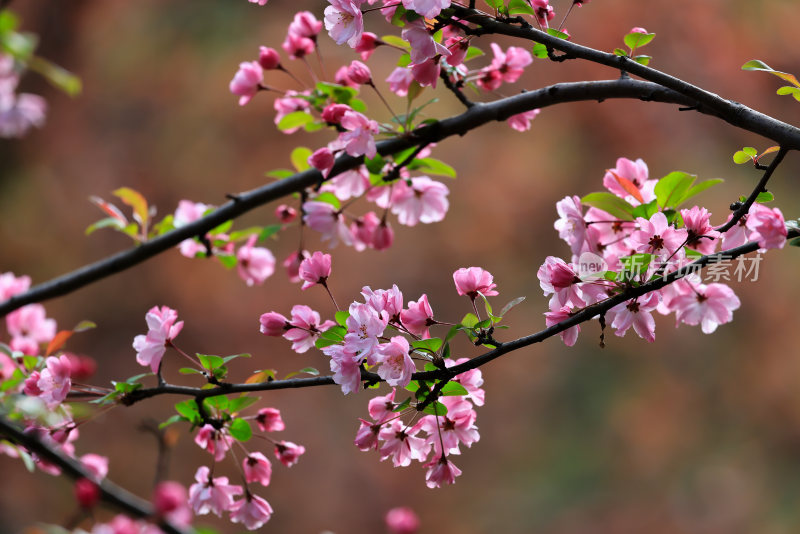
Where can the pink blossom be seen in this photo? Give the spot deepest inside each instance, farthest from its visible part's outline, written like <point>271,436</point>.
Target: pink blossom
<point>424,201</point>
<point>658,237</point>
<point>544,11</point>
<point>333,113</point>
<point>423,45</point>
<point>472,381</point>
<point>344,22</point>
<point>298,46</point>
<point>97,465</point>
<point>767,226</point>
<point>186,213</point>
<point>54,382</point>
<point>162,329</point>
<point>305,24</point>
<point>364,326</point>
<point>349,184</point>
<point>257,468</point>
<point>345,366</point>
<point>441,471</point>
<point>30,322</point>
<point>255,264</point>
<point>632,174</point>
<point>31,387</point>
<point>458,46</point>
<point>273,324</point>
<point>474,280</point>
<point>86,493</point>
<point>382,407</point>
<point>359,138</point>
<point>571,226</point>
<point>509,65</point>
<point>259,2</point>
<point>247,81</point>
<point>285,213</point>
<point>555,316</point>
<point>11,285</point>
<point>737,235</point>
<point>418,318</point>
<point>367,436</point>
<point>306,328</point>
<point>342,77</point>
<point>383,237</point>
<point>636,313</point>
<point>427,72</point>
<point>402,444</point>
<point>521,122</point>
<point>396,365</point>
<point>708,305</point>
<point>289,103</point>
<point>292,264</point>
<point>216,442</point>
<point>288,453</point>
<point>367,45</point>
<point>315,270</point>
<point>702,236</point>
<point>326,219</point>
<point>385,300</point>
<point>427,8</point>
<point>252,511</point>
<point>363,230</point>
<point>637,29</point>
<point>359,73</point>
<point>268,58</point>
<point>450,430</point>
<point>269,420</point>
<point>559,278</point>
<point>19,113</point>
<point>402,520</point>
<point>209,495</point>
<point>399,80</point>
<point>322,159</point>
<point>171,501</point>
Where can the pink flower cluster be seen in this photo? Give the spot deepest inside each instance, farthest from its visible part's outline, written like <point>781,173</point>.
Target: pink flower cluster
<point>665,239</point>
<point>19,112</point>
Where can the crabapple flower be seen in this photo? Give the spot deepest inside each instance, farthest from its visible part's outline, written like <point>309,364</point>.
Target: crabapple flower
<point>423,45</point>
<point>186,213</point>
<point>441,471</point>
<point>402,520</point>
<point>96,464</point>
<point>363,230</point>
<point>305,24</point>
<point>285,213</point>
<point>292,265</point>
<point>367,436</point>
<point>737,235</point>
<point>259,2</point>
<point>315,270</point>
<point>216,442</point>
<point>385,300</point>
<point>418,318</point>
<point>555,316</point>
<point>269,420</point>
<point>427,73</point>
<point>344,22</point>
<point>254,264</point>
<point>273,324</point>
<point>349,184</point>
<point>544,11</point>
<point>86,493</point>
<point>268,58</point>
<point>358,139</point>
<point>322,159</point>
<point>708,305</point>
<point>656,236</point>
<point>636,313</point>
<point>402,444</point>
<point>359,73</point>
<point>257,468</point>
<point>326,219</point>
<point>364,326</point>
<point>367,45</point>
<point>289,103</point>
<point>19,113</point>
<point>211,495</point>
<point>702,236</point>
<point>247,81</point>
<point>252,511</point>
<point>383,236</point>
<point>424,201</point>
<point>474,280</point>
<point>305,328</point>
<point>427,8</point>
<point>767,226</point>
<point>345,366</point>
<point>521,122</point>
<point>171,501</point>
<point>333,113</point>
<point>396,365</point>
<point>628,180</point>
<point>571,225</point>
<point>28,327</point>
<point>288,453</point>
<point>559,278</point>
<point>382,407</point>
<point>298,46</point>
<point>162,329</point>
<point>448,431</point>
<point>508,65</point>
<point>11,285</point>
<point>54,381</point>
<point>342,78</point>
<point>399,80</point>
<point>472,381</point>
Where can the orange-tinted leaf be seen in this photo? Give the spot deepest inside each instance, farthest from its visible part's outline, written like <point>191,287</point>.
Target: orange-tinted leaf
<point>769,150</point>
<point>628,186</point>
<point>58,341</point>
<point>135,200</point>
<point>110,209</point>
<point>261,376</point>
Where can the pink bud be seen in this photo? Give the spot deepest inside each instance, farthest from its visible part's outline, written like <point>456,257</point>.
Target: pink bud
<point>333,113</point>
<point>269,58</point>
<point>383,237</point>
<point>402,521</point>
<point>168,497</point>
<point>322,159</point>
<point>86,492</point>
<point>273,324</point>
<point>285,213</point>
<point>637,29</point>
<point>368,43</point>
<point>269,420</point>
<point>359,73</point>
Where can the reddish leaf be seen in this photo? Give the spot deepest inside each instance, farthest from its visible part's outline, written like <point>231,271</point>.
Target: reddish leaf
<point>628,186</point>
<point>58,341</point>
<point>135,200</point>
<point>110,209</point>
<point>769,150</point>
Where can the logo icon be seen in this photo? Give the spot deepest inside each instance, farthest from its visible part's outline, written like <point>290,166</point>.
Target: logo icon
<point>590,266</point>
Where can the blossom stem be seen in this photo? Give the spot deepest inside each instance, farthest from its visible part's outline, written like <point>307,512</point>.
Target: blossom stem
<point>292,76</point>
<point>324,284</point>
<point>565,16</point>
<point>385,103</point>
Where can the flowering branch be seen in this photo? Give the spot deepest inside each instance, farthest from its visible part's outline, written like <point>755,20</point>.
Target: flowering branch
<point>110,492</point>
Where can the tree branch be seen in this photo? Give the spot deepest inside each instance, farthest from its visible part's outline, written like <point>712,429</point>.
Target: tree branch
<point>110,492</point>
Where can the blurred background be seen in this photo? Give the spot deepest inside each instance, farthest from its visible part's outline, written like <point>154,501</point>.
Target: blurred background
<point>692,434</point>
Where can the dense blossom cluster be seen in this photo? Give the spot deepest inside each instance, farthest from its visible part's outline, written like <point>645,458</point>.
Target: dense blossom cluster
<point>646,237</point>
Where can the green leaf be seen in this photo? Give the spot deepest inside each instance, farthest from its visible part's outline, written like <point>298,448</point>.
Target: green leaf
<point>740,156</point>
<point>436,408</point>
<point>539,50</point>
<point>240,403</point>
<point>494,3</point>
<point>510,305</point>
<point>8,22</point>
<point>398,19</point>
<point>469,320</point>
<point>396,41</point>
<point>280,174</point>
<point>332,336</point>
<point>295,119</point>
<point>642,60</point>
<point>795,242</point>
<point>217,402</point>
<point>454,389</point>
<point>699,188</point>
<point>29,362</point>
<point>136,201</point>
<point>620,52</point>
<point>210,362</point>
<point>108,222</point>
<point>13,381</point>
<point>765,196</point>
<point>520,7</point>
<point>672,188</point>
<point>188,409</point>
<point>433,166</point>
<point>190,371</point>
<point>375,165</point>
<point>307,370</point>
<point>756,64</point>
<point>428,345</point>
<point>413,386</point>
<point>473,52</point>
<point>300,157</point>
<point>172,419</point>
<point>240,430</point>
<point>646,210</point>
<point>403,405</point>
<point>341,317</point>
<point>610,203</point>
<point>634,266</point>
<point>788,90</point>
<point>637,40</point>
<point>328,198</point>
<point>556,33</point>
<point>20,45</point>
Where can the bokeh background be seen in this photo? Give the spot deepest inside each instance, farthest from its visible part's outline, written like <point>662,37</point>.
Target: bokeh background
<point>692,434</point>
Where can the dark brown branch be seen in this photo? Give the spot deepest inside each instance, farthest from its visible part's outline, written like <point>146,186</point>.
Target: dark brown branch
<point>445,374</point>
<point>111,493</point>
<point>742,210</point>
